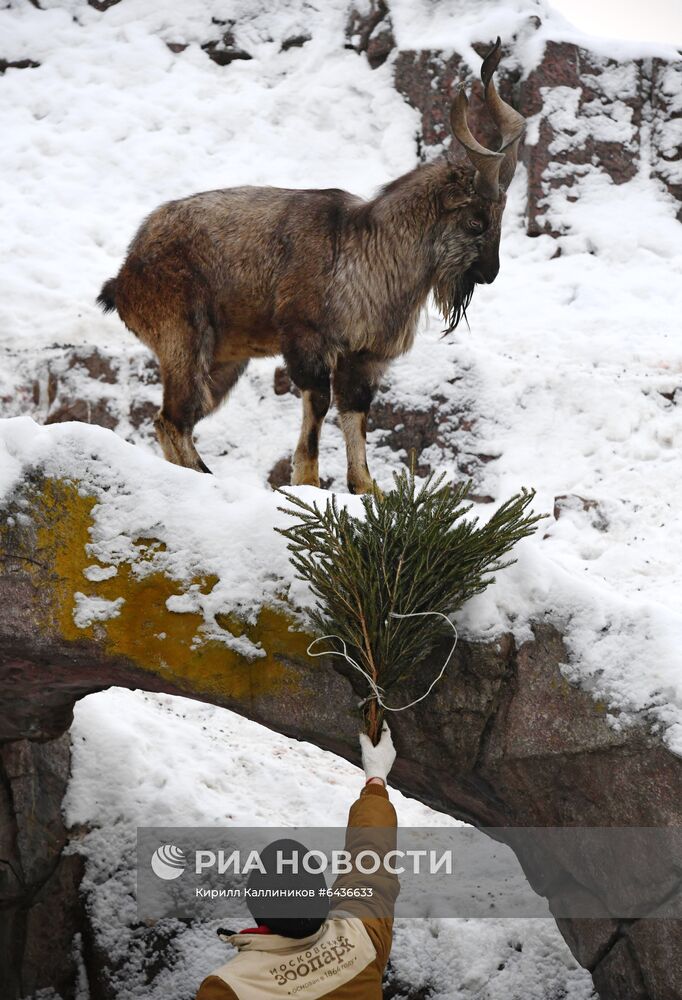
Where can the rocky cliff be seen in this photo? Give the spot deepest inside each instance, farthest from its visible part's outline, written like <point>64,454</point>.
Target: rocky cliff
<point>515,744</point>
<point>504,741</point>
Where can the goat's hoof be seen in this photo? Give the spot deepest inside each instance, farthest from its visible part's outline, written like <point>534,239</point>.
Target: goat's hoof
<point>359,488</point>
<point>305,481</point>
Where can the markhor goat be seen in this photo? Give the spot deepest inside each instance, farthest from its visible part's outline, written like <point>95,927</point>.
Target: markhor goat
<point>333,283</point>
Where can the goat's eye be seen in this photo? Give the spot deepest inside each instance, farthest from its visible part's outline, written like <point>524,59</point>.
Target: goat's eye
<point>476,226</point>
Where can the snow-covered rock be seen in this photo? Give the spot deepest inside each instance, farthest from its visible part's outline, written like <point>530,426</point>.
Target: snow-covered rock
<point>570,381</point>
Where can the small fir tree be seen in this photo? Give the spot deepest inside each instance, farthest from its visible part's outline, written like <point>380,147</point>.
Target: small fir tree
<point>414,551</point>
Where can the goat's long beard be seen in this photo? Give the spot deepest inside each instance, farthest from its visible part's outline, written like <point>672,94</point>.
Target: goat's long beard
<point>453,294</point>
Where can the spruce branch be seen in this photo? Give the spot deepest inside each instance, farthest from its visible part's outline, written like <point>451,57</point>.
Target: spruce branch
<point>413,551</point>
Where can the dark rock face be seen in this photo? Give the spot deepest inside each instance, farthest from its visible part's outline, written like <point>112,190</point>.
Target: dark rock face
<point>116,389</point>
<point>225,50</point>
<point>294,42</point>
<point>280,473</point>
<point>428,79</point>
<point>666,134</point>
<point>39,887</point>
<point>282,383</point>
<point>410,432</point>
<point>369,30</point>
<point>503,741</point>
<point>573,502</point>
<point>6,64</point>
<point>619,975</point>
<point>604,99</point>
<point>119,389</point>
<point>588,113</point>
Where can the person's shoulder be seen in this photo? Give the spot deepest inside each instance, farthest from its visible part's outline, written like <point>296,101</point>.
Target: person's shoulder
<point>377,932</point>
<point>214,988</point>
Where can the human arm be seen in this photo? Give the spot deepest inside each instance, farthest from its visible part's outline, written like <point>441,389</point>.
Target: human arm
<point>372,826</point>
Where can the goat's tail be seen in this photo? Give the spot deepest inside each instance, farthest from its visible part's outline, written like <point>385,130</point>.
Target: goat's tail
<point>107,297</point>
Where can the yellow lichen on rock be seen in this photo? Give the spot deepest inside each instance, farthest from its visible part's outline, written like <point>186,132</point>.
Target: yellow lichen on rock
<point>171,644</point>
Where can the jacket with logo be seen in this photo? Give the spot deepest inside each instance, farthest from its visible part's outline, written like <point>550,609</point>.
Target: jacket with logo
<point>345,959</point>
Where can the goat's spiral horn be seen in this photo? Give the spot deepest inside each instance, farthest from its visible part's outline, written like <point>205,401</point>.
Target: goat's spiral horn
<point>486,162</point>
<point>509,122</point>
<point>494,169</point>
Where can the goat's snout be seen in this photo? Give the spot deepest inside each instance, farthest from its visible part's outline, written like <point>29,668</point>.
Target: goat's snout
<point>485,269</point>
<point>485,273</point>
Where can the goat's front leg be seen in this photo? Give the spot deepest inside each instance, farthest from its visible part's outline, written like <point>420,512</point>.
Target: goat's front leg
<point>305,471</point>
<point>311,375</point>
<point>355,382</point>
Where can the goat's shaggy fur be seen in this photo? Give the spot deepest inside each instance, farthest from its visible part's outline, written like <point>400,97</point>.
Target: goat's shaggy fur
<point>333,283</point>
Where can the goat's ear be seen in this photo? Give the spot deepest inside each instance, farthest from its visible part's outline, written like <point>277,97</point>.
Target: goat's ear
<point>453,197</point>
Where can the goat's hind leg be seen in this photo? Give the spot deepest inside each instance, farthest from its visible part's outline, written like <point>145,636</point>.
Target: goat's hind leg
<point>186,399</point>
<point>174,432</point>
<point>189,395</point>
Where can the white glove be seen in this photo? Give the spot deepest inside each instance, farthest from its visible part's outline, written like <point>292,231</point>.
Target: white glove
<point>377,760</point>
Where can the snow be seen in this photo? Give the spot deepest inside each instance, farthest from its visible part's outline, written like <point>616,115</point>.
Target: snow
<point>572,368</point>
<point>152,760</point>
<point>456,24</point>
<point>94,609</point>
<point>561,104</point>
<point>112,123</point>
<point>203,526</point>
<point>210,527</point>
